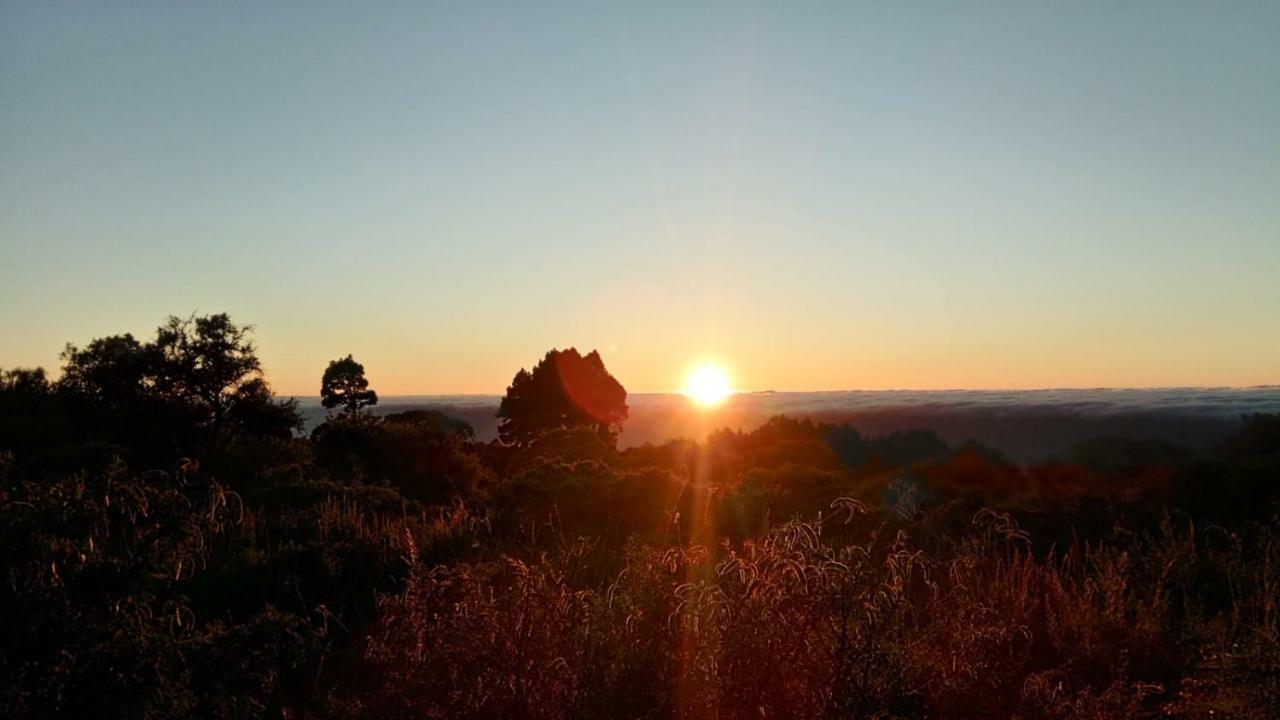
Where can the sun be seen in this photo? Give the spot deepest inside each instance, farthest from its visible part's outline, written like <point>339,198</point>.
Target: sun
<point>707,385</point>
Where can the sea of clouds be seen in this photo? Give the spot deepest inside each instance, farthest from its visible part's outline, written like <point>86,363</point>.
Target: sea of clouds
<point>1026,425</point>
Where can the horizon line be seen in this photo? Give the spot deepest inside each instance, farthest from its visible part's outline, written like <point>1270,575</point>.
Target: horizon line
<point>1078,388</point>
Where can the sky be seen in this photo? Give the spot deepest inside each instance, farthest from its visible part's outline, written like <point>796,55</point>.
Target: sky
<point>814,196</point>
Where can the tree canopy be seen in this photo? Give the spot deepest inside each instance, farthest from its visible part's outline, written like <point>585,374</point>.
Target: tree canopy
<point>564,390</point>
<point>344,385</point>
<point>199,371</point>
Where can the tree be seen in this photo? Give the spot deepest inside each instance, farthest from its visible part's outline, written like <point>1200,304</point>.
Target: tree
<point>205,361</point>
<point>24,381</point>
<point>565,390</point>
<point>256,413</point>
<point>345,385</point>
<point>200,372</point>
<point>111,371</point>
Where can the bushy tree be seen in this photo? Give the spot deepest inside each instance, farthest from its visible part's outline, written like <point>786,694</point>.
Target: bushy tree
<point>344,385</point>
<point>24,381</point>
<point>200,373</point>
<point>114,371</point>
<point>205,361</point>
<point>565,390</point>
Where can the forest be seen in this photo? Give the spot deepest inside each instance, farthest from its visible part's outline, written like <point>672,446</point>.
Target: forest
<point>174,545</point>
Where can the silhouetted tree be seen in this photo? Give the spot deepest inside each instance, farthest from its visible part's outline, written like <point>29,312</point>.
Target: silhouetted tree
<point>205,361</point>
<point>113,371</point>
<point>564,390</point>
<point>199,372</point>
<point>254,412</point>
<point>24,381</point>
<point>345,385</point>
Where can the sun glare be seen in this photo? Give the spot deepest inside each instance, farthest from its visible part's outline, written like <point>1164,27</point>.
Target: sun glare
<point>707,385</point>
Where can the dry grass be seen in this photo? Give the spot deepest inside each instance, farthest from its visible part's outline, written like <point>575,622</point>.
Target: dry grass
<point>791,624</point>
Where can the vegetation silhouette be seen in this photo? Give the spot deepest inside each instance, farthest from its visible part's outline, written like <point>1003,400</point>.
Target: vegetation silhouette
<point>344,385</point>
<point>172,546</point>
<point>565,390</point>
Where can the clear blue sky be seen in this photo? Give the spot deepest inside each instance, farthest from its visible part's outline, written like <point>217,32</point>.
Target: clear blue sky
<point>814,195</point>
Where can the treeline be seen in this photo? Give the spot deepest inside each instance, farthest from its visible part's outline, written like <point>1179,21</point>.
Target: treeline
<point>172,545</point>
